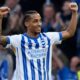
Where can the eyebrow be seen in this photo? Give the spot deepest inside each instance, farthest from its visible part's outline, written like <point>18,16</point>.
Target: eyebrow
<point>35,19</point>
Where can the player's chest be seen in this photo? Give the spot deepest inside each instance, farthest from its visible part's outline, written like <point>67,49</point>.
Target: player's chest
<point>36,49</point>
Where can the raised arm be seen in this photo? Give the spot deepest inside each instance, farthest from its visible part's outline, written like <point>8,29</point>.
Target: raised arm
<point>3,11</point>
<point>13,21</point>
<point>69,32</point>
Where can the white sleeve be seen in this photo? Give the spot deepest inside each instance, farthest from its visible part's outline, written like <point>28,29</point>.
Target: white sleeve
<point>55,37</point>
<point>14,40</point>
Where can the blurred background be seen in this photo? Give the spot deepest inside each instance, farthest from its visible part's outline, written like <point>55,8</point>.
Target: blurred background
<point>55,17</point>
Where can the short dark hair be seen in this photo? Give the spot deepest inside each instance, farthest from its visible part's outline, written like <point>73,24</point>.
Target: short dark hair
<point>27,15</point>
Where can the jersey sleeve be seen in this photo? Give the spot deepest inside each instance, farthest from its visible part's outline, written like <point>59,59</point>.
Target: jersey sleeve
<point>14,40</point>
<point>55,37</point>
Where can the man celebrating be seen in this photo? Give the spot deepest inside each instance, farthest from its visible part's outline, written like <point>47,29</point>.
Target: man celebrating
<point>33,48</point>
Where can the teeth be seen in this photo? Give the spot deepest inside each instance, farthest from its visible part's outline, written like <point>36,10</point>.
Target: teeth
<point>40,23</point>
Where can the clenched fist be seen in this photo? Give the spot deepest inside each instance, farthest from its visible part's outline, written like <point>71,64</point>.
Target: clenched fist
<point>4,11</point>
<point>73,7</point>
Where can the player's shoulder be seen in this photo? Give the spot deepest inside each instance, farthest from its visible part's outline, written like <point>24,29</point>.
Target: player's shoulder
<point>44,35</point>
<point>49,33</point>
<point>16,36</point>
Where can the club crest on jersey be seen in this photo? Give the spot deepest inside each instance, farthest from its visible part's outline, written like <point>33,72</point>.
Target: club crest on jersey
<point>43,43</point>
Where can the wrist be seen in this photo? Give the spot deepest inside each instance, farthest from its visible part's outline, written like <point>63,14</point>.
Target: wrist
<point>74,12</point>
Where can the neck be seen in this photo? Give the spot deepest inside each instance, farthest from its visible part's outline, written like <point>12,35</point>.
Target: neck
<point>33,35</point>
<point>73,69</point>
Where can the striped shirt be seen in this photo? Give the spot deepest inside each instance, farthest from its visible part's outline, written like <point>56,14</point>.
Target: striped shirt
<point>33,55</point>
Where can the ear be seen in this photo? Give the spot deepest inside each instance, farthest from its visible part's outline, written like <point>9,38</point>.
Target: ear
<point>26,24</point>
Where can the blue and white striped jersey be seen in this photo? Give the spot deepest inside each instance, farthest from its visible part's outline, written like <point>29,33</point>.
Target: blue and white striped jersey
<point>33,55</point>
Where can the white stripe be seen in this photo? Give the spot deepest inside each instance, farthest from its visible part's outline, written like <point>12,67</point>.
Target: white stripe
<point>42,69</point>
<point>45,69</point>
<point>29,70</point>
<point>33,44</point>
<point>20,65</point>
<point>50,62</point>
<point>36,70</point>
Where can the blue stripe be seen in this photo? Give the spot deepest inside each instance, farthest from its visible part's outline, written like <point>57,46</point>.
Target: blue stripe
<point>44,68</point>
<point>29,42</point>
<point>8,40</point>
<point>32,69</point>
<point>37,43</point>
<point>39,69</point>
<point>48,57</point>
<point>24,58</point>
<point>60,34</point>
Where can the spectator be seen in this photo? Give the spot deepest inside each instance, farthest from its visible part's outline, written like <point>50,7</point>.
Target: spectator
<point>64,17</point>
<point>63,58</point>
<point>13,18</point>
<point>4,70</point>
<point>65,72</point>
<point>78,37</point>
<point>9,28</point>
<point>10,22</point>
<point>6,63</point>
<point>78,73</point>
<point>49,23</point>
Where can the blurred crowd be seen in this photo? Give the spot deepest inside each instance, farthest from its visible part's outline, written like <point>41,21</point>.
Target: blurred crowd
<point>66,57</point>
